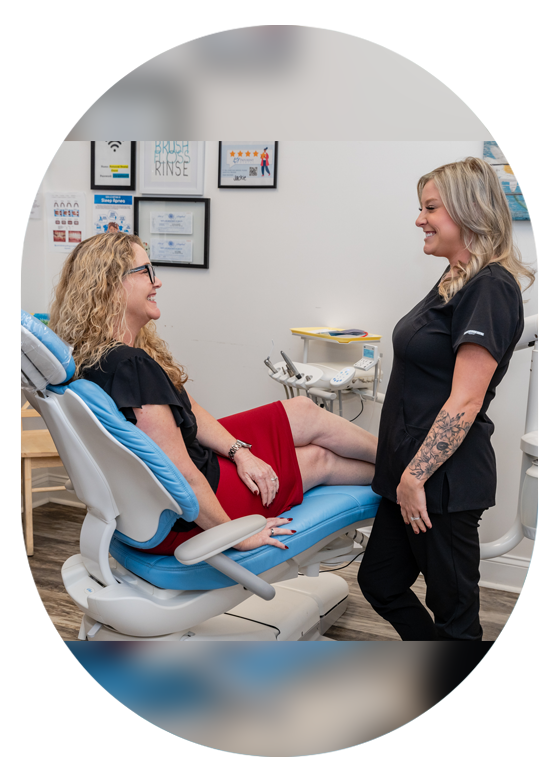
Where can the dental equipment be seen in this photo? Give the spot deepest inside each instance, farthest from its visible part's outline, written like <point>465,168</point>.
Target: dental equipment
<point>291,368</point>
<point>326,383</point>
<point>269,364</point>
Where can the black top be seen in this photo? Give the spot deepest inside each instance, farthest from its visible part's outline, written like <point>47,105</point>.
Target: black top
<point>133,379</point>
<point>487,311</point>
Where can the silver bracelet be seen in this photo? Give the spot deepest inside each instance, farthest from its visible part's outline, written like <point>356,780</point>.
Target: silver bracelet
<point>237,445</point>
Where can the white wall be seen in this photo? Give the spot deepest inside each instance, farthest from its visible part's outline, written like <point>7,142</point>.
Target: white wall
<point>335,244</point>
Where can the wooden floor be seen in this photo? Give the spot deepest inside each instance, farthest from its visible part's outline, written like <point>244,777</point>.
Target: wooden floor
<point>361,623</point>
<point>57,531</point>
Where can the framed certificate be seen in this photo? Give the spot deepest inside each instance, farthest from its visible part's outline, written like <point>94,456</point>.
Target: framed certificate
<point>248,164</point>
<point>113,165</point>
<point>174,231</point>
<point>172,167</point>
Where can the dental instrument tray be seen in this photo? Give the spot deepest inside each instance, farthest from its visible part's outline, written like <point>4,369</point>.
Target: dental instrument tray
<point>341,336</point>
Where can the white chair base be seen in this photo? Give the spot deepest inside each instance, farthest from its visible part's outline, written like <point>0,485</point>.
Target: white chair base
<point>303,609</point>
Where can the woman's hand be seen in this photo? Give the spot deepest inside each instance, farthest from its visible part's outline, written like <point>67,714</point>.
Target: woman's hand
<point>410,496</point>
<point>268,536</point>
<point>257,475</point>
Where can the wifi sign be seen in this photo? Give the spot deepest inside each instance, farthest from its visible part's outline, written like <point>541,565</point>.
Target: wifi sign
<point>114,145</point>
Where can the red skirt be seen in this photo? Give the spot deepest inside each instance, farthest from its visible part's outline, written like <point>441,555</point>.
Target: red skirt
<point>267,429</point>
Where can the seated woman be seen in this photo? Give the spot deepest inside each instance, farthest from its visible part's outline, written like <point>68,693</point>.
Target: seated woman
<point>256,462</point>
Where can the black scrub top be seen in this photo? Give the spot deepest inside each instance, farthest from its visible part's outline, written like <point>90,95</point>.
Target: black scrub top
<point>487,311</point>
<point>133,379</point>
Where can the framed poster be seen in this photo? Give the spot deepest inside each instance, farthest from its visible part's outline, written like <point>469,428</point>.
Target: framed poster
<point>172,167</point>
<point>113,165</point>
<point>174,231</point>
<point>248,164</point>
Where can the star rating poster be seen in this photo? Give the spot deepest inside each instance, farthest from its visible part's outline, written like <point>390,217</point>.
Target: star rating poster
<point>248,164</point>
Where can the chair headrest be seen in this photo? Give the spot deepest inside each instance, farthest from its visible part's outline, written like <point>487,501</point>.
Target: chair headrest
<point>45,358</point>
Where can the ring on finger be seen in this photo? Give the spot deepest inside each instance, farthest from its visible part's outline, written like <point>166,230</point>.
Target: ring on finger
<point>274,478</point>
<point>415,518</point>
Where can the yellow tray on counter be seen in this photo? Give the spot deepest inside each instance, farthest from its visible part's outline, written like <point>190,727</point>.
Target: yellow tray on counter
<point>321,332</point>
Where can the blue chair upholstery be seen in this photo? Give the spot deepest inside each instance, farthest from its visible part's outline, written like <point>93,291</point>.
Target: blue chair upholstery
<point>107,413</point>
<point>324,510</point>
<point>60,350</point>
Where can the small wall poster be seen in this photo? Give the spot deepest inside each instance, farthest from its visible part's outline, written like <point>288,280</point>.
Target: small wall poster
<point>65,213</point>
<point>113,165</point>
<point>492,154</point>
<point>113,213</point>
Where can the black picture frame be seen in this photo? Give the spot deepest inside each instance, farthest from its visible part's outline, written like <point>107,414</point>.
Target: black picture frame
<point>248,179</point>
<point>128,159</point>
<point>200,226</point>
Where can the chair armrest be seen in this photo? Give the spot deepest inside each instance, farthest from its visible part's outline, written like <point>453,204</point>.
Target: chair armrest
<point>217,539</point>
<point>209,545</point>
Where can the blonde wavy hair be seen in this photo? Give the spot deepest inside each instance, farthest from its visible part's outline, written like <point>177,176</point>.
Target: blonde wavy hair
<point>473,197</point>
<point>88,310</point>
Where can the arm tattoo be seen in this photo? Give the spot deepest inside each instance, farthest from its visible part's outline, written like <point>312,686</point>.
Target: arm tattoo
<point>443,439</point>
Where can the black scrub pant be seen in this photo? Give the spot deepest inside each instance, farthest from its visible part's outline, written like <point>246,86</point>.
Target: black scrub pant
<point>448,556</point>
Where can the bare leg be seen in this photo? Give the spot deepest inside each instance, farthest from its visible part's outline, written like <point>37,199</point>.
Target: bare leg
<point>312,425</point>
<point>319,466</point>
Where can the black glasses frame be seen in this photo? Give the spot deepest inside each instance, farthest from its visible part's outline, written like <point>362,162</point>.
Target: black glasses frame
<point>146,267</point>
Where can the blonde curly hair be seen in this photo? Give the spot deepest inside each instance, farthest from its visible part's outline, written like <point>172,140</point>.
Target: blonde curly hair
<point>473,197</point>
<point>88,310</point>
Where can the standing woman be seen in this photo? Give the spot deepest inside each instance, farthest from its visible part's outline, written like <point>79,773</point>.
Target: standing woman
<point>436,468</point>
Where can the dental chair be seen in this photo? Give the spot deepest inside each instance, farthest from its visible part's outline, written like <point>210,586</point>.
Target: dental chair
<point>134,494</point>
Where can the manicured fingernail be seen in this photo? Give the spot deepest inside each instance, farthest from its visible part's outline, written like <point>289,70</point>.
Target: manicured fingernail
<point>255,492</point>
<point>287,547</point>
<point>293,531</point>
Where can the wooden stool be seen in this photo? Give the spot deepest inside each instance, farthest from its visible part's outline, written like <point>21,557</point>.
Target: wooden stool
<point>37,450</point>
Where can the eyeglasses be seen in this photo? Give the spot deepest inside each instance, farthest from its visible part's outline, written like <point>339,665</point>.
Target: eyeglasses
<point>147,267</point>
